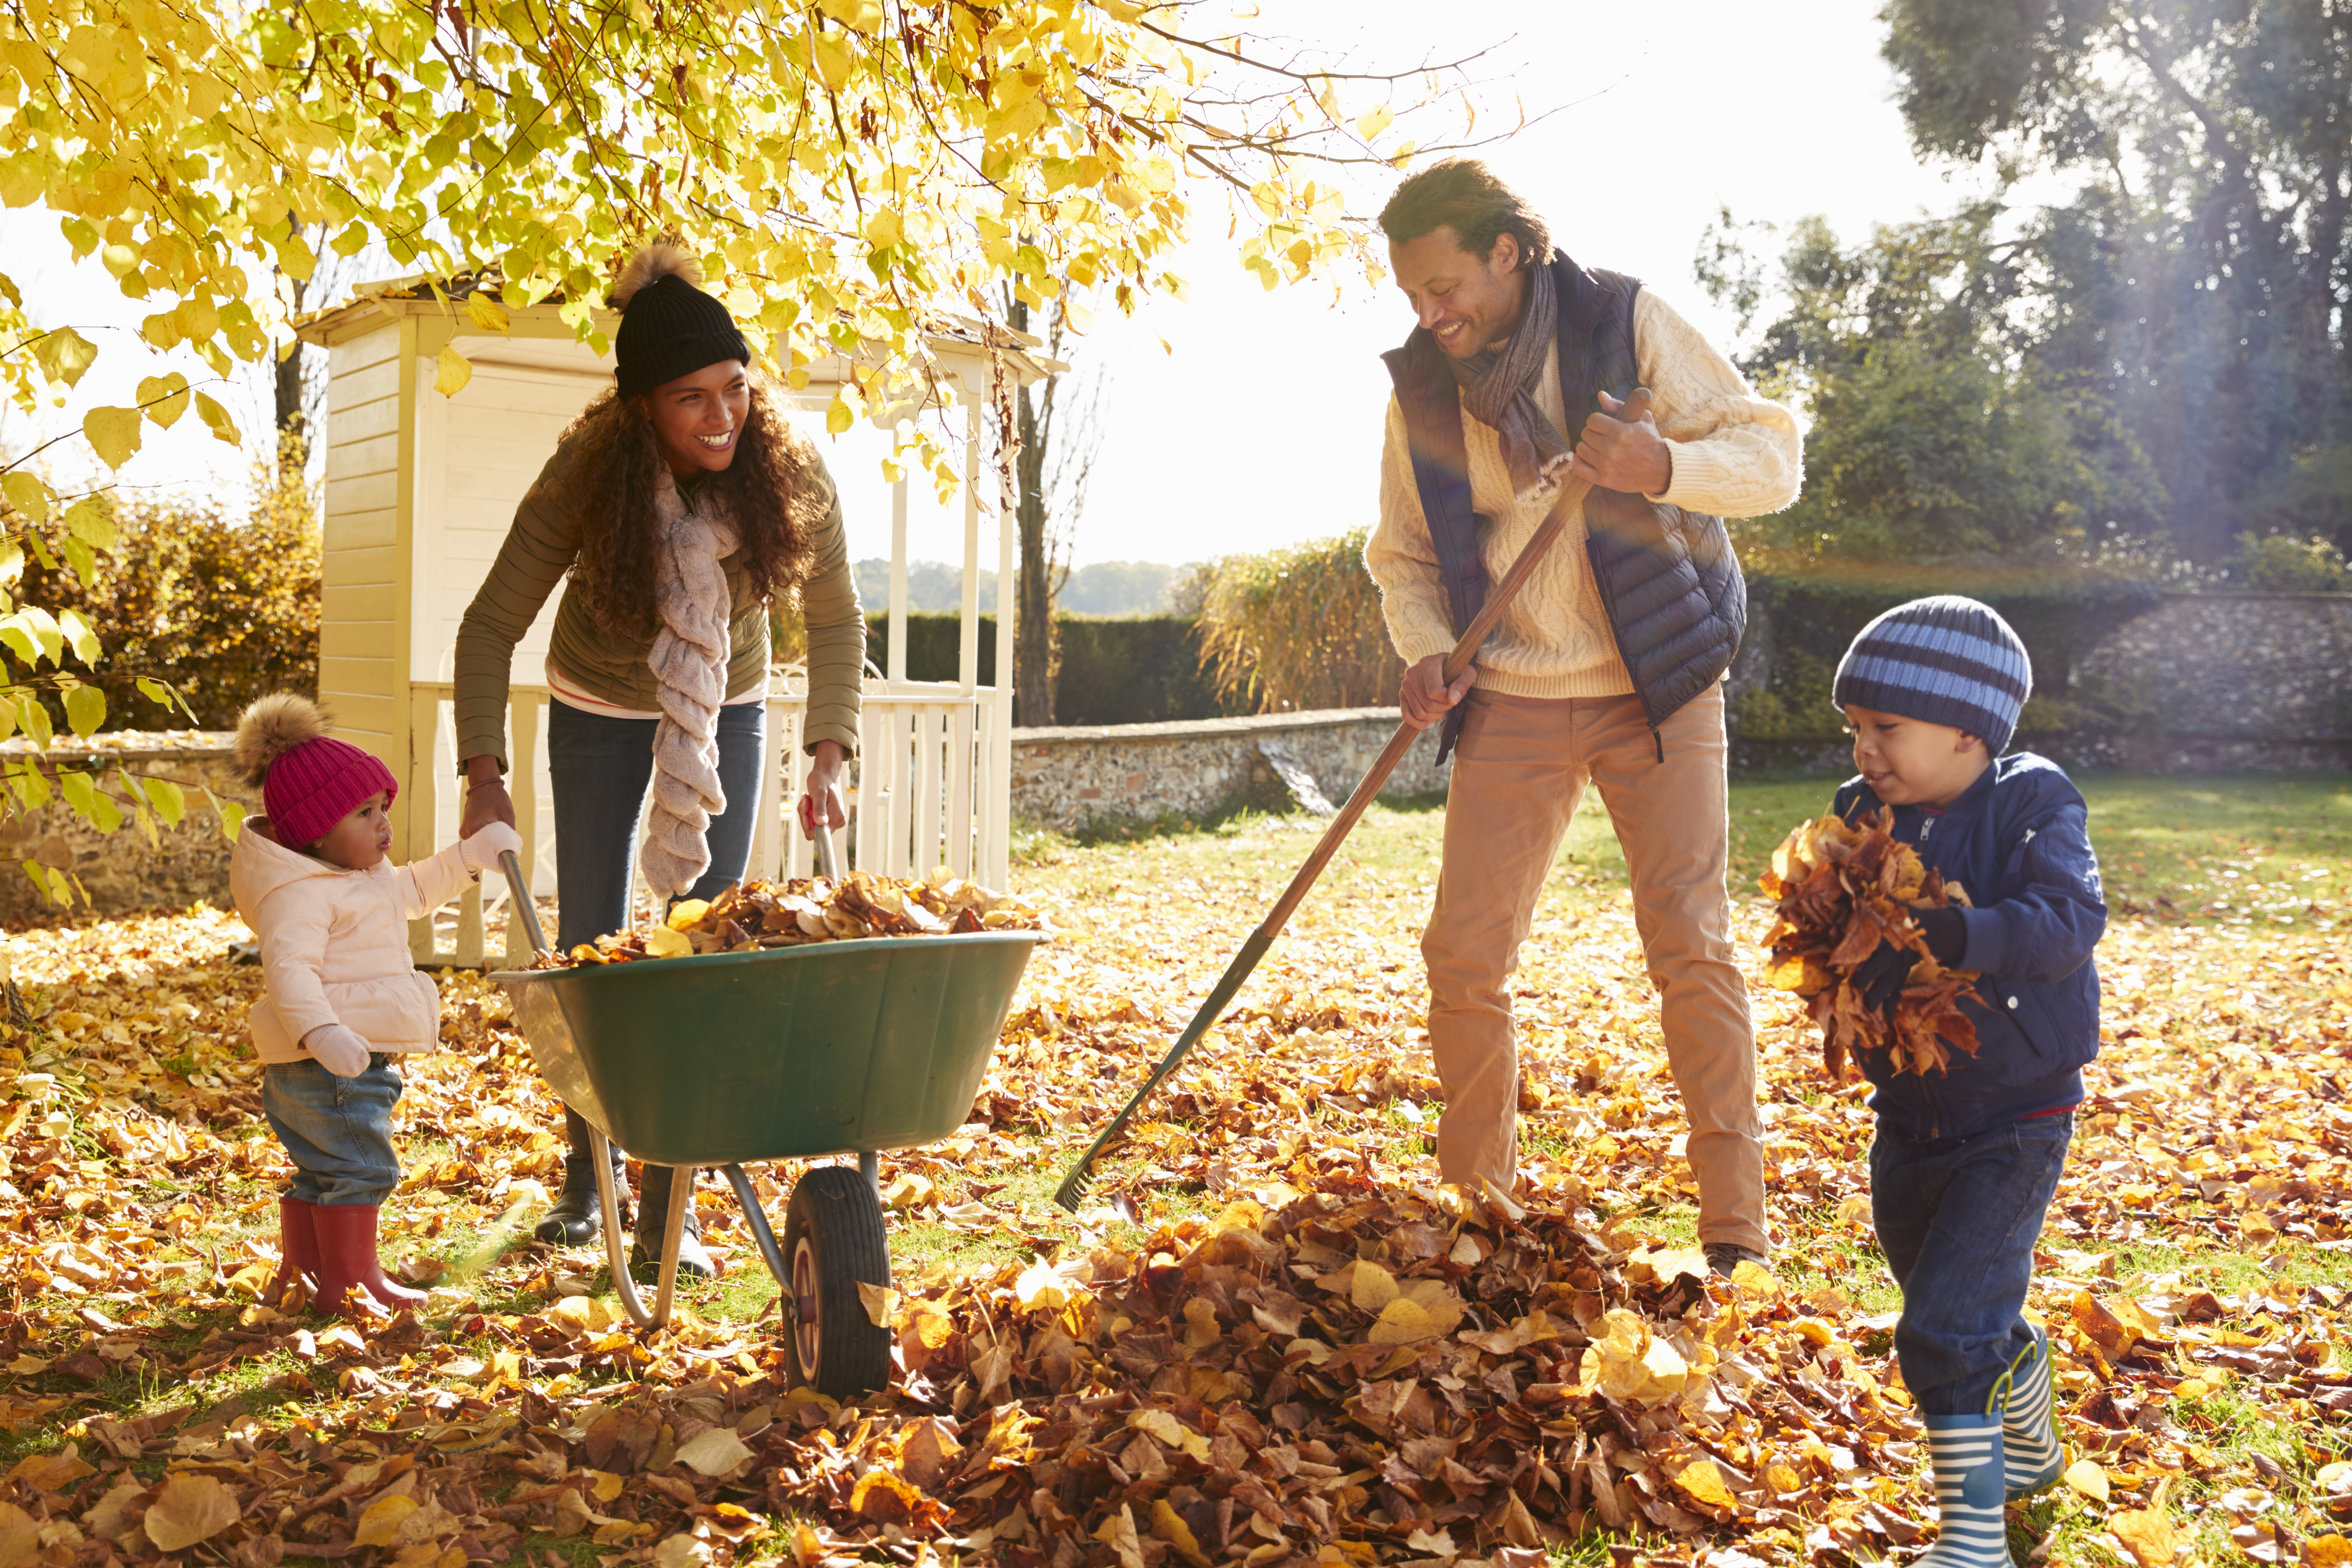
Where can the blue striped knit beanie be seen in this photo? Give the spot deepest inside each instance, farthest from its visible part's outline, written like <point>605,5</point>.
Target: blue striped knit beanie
<point>1941,660</point>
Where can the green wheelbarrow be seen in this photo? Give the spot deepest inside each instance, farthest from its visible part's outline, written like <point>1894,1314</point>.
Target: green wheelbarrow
<point>794,1053</point>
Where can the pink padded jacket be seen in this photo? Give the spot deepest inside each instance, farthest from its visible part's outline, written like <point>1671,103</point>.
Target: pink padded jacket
<point>334,945</point>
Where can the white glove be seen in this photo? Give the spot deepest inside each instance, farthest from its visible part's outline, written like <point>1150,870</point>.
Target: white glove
<point>340,1051</point>
<point>480,853</point>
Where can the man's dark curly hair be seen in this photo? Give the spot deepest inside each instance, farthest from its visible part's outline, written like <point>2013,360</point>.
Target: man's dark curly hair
<point>1462,195</point>
<point>774,484</point>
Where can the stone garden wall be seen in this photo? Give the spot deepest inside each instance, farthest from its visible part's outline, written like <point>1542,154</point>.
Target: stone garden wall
<point>1067,778</point>
<point>121,870</point>
<point>2220,683</point>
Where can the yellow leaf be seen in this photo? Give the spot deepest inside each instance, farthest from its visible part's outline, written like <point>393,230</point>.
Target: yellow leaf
<point>381,1520</point>
<point>714,1451</point>
<point>1402,1321</point>
<point>1703,1482</point>
<point>451,372</point>
<point>26,493</point>
<point>2330,1550</point>
<point>1374,120</point>
<point>879,1300</point>
<point>190,1508</point>
<point>113,434</point>
<point>216,419</point>
<point>164,397</point>
<point>837,417</point>
<point>2147,1533</point>
<point>2088,1478</point>
<point>663,943</point>
<point>833,62</point>
<point>1372,1288</point>
<point>486,312</point>
<point>1170,1526</point>
<point>605,1484</point>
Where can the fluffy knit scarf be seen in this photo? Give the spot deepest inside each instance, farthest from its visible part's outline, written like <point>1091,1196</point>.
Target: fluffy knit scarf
<point>690,660</point>
<point>1498,388</point>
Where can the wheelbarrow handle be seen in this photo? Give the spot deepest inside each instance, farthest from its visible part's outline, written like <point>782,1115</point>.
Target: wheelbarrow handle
<point>523,907</point>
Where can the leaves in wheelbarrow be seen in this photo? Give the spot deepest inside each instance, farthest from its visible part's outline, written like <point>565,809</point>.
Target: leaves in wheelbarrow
<point>758,915</point>
<point>1844,888</point>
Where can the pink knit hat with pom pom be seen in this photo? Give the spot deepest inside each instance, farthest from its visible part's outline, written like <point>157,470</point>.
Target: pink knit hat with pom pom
<point>309,780</point>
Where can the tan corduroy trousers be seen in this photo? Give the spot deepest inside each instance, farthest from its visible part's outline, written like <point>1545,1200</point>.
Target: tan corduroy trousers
<point>1519,772</point>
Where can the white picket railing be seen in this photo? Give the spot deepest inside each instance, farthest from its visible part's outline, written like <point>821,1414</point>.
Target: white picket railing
<point>930,754</point>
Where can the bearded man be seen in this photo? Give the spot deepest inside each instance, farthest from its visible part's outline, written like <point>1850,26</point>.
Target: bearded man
<point>1608,668</point>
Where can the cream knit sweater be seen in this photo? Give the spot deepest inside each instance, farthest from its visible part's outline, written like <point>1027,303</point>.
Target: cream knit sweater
<point>1735,455</point>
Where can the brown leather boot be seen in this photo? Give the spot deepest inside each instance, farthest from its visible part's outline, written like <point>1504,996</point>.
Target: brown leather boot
<point>347,1257</point>
<point>297,1248</point>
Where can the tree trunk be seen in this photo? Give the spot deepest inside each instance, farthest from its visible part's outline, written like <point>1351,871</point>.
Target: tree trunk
<point>1033,599</point>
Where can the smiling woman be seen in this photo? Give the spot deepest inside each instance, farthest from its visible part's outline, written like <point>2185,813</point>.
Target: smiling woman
<point>680,505</point>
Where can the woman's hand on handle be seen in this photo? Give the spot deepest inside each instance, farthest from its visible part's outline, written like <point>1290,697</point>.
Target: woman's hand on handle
<point>824,791</point>
<point>487,800</point>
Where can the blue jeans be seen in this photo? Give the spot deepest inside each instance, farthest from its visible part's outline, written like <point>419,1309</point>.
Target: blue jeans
<point>1958,1218</point>
<point>598,768</point>
<point>337,1130</point>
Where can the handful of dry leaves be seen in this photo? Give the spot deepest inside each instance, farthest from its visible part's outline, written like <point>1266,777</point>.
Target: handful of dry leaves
<point>755,915</point>
<point>1844,888</point>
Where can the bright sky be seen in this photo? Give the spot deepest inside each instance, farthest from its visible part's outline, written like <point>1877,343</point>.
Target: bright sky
<point>1259,422</point>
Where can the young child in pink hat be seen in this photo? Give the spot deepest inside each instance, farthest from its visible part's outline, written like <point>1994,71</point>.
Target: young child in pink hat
<point>341,998</point>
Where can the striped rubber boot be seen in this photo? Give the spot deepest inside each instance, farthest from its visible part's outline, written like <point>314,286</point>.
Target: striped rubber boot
<point>2031,1456</point>
<point>1965,1451</point>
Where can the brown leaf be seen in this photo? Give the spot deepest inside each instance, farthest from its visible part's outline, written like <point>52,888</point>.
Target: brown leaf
<point>189,1509</point>
<point>53,1472</point>
<point>20,1536</point>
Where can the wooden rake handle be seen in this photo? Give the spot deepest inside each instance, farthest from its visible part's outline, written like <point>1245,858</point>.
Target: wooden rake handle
<point>1568,504</point>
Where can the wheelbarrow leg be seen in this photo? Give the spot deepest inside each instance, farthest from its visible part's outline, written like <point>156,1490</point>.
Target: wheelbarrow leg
<point>617,1244</point>
<point>770,1253</point>
<point>869,1166</point>
<point>681,1194</point>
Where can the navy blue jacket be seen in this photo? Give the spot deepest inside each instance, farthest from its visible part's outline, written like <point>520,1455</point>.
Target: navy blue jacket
<point>2018,841</point>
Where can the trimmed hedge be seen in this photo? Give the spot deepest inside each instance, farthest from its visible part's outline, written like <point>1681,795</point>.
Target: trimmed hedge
<point>1123,669</point>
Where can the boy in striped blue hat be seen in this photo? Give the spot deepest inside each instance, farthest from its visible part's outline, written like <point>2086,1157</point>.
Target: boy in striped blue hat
<point>1964,1164</point>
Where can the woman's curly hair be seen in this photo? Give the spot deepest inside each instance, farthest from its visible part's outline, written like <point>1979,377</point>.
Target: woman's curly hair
<point>775,487</point>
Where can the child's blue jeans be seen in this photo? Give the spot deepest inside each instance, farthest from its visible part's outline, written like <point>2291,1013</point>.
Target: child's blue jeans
<point>337,1130</point>
<point>1958,1218</point>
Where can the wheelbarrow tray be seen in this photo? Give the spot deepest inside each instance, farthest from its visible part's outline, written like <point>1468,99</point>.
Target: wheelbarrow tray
<point>790,1053</point>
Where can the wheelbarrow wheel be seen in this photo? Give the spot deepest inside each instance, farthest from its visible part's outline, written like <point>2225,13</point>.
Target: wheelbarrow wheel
<point>833,1242</point>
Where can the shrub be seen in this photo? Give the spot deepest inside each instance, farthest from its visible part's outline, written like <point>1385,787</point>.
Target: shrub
<point>1299,628</point>
<point>2281,564</point>
<point>220,601</point>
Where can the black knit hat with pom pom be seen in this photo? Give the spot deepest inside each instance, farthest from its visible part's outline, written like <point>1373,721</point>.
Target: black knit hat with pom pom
<point>669,327</point>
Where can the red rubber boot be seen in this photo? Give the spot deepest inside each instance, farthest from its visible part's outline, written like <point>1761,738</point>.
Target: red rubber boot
<point>347,1257</point>
<point>298,1247</point>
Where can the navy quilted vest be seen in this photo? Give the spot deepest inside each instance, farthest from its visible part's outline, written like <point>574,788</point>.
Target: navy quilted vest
<point>1669,581</point>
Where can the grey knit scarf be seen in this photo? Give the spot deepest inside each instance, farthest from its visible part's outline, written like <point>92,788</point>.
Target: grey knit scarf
<point>1498,388</point>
